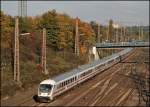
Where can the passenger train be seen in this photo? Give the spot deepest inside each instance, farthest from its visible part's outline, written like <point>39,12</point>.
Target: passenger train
<point>50,88</point>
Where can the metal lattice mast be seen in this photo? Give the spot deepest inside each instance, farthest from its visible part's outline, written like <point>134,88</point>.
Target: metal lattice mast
<point>22,8</point>
<point>121,39</point>
<point>108,33</point>
<point>124,34</point>
<point>16,52</point>
<point>142,33</point>
<point>139,32</point>
<point>43,58</point>
<point>77,38</point>
<point>98,33</point>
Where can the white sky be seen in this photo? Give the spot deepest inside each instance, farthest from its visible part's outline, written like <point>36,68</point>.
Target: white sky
<point>122,12</point>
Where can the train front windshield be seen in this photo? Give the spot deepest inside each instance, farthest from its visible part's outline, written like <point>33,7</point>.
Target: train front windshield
<point>45,88</point>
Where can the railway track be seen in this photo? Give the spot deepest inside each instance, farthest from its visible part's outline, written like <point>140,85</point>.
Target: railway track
<point>82,97</point>
<point>104,83</point>
<point>96,91</point>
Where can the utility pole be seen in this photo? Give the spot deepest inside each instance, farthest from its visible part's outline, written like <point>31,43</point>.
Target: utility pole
<point>98,33</point>
<point>16,52</point>
<point>139,32</point>
<point>131,33</point>
<point>43,58</point>
<point>108,33</point>
<point>77,38</point>
<point>121,38</point>
<point>124,33</point>
<point>116,35</point>
<point>142,33</point>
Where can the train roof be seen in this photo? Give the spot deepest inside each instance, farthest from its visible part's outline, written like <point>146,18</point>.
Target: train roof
<point>85,67</point>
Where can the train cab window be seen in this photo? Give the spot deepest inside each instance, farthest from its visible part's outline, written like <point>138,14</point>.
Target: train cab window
<point>45,88</point>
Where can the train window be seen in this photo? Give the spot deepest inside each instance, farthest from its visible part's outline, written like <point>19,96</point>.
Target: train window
<point>67,81</point>
<point>63,84</point>
<point>71,80</point>
<point>59,85</point>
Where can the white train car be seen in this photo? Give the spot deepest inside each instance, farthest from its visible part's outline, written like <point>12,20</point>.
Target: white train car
<point>50,88</point>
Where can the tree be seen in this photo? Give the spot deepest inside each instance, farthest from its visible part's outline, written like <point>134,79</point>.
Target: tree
<point>7,28</point>
<point>49,22</point>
